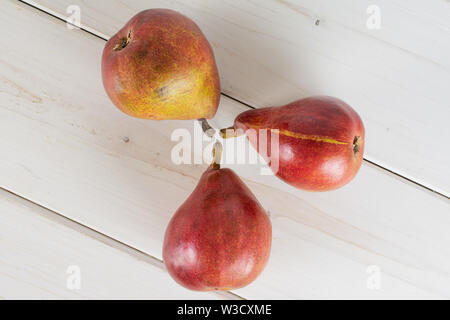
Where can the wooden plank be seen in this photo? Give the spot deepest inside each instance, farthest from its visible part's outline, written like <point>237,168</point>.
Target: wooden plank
<point>62,147</point>
<point>42,254</point>
<point>271,53</point>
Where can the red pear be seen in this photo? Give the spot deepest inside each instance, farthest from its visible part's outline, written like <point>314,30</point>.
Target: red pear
<point>161,66</point>
<point>320,141</point>
<point>220,237</point>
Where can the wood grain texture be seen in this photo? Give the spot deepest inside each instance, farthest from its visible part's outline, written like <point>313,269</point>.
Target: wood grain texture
<point>63,147</point>
<point>272,52</point>
<point>38,248</point>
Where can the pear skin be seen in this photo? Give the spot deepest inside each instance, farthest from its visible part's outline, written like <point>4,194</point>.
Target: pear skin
<point>320,141</point>
<point>220,237</point>
<point>161,66</point>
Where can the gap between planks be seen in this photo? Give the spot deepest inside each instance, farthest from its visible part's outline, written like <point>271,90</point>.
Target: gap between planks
<point>104,37</point>
<point>107,240</point>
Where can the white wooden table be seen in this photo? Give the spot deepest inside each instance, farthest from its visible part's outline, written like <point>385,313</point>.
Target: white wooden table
<point>88,191</point>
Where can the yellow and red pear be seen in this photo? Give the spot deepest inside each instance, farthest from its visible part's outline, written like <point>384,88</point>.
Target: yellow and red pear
<point>161,66</point>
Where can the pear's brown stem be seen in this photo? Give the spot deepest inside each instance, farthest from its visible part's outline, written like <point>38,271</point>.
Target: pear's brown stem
<point>217,155</point>
<point>207,129</point>
<point>230,132</point>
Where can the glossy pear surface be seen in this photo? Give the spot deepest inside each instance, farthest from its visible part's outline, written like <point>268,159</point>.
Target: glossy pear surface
<point>161,66</point>
<point>220,238</point>
<point>320,141</point>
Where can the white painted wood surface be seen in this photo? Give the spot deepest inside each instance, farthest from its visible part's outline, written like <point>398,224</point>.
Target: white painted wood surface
<point>62,147</point>
<point>40,251</point>
<point>271,52</point>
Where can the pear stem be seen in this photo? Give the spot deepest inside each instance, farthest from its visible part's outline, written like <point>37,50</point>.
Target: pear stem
<point>206,127</point>
<point>230,132</point>
<point>217,155</point>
